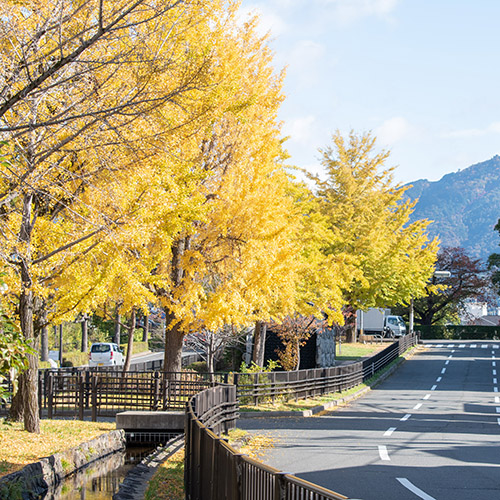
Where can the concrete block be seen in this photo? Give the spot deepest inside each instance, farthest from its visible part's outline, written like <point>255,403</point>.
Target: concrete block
<point>150,421</point>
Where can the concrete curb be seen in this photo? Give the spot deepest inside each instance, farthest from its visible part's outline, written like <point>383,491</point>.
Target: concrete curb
<point>330,404</point>
<point>136,482</point>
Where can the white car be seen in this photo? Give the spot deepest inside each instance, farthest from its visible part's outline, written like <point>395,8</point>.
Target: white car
<point>106,354</point>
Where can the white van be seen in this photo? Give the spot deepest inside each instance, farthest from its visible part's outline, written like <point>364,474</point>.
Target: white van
<point>106,354</point>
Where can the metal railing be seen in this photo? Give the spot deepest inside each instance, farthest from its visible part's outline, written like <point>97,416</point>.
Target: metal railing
<point>216,471</point>
<point>255,388</point>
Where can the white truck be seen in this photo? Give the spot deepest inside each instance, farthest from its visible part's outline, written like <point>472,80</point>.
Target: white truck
<point>380,322</point>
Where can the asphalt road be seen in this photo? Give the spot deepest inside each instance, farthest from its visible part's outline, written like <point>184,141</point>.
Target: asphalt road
<point>430,431</point>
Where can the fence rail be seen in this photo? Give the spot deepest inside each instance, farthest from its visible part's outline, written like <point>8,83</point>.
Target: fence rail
<point>214,470</point>
<point>80,392</point>
<point>255,388</point>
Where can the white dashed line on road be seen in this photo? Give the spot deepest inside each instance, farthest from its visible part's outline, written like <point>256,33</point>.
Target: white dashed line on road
<point>389,431</point>
<point>382,451</point>
<point>447,362</point>
<point>494,372</point>
<point>494,380</point>
<point>417,406</point>
<point>493,363</point>
<point>461,346</point>
<point>406,417</point>
<point>443,371</point>
<point>495,389</point>
<point>433,388</point>
<point>498,409</point>
<point>417,491</point>
<point>473,346</point>
<point>497,399</point>
<point>498,420</point>
<point>439,379</point>
<point>427,396</point>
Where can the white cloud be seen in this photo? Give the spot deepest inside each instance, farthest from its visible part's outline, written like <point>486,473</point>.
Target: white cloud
<point>306,62</point>
<point>492,128</point>
<point>394,130</point>
<point>301,130</point>
<point>347,11</point>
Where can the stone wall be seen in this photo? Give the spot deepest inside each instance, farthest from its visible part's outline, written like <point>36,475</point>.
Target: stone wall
<point>38,478</point>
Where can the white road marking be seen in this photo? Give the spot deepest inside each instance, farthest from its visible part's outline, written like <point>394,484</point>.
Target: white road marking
<point>453,350</point>
<point>493,363</point>
<point>494,380</point>
<point>484,346</point>
<point>498,409</point>
<point>443,371</point>
<point>497,399</point>
<point>447,362</point>
<point>495,389</point>
<point>406,417</point>
<point>451,345</point>
<point>473,346</point>
<point>417,491</point>
<point>461,346</point>
<point>418,406</point>
<point>439,379</point>
<point>495,347</point>
<point>498,420</point>
<point>427,396</point>
<point>439,345</point>
<point>382,451</point>
<point>389,431</point>
<point>494,372</point>
<point>433,388</point>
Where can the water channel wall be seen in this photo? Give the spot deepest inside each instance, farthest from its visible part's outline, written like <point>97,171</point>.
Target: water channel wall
<point>34,480</point>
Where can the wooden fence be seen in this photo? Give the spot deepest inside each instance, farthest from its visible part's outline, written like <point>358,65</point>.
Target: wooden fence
<point>84,392</point>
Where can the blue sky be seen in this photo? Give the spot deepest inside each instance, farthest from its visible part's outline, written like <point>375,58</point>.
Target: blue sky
<point>421,75</point>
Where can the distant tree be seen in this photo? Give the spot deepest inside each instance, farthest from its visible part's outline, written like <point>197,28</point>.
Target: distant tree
<point>468,280</point>
<point>368,223</point>
<point>494,265</point>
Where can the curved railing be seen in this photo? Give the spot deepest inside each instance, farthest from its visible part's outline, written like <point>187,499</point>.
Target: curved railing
<point>216,471</point>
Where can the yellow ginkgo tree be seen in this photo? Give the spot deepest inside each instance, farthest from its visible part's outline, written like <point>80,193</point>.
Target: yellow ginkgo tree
<point>368,221</point>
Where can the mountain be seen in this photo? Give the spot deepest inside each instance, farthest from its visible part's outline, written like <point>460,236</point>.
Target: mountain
<point>464,207</point>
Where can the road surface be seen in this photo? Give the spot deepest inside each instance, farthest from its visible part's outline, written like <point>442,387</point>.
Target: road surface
<point>430,431</point>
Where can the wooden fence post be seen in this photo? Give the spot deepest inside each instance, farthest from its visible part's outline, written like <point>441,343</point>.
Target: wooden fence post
<point>81,396</point>
<point>93,395</point>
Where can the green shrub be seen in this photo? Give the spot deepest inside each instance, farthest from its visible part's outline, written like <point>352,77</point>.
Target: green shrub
<point>247,378</point>
<point>198,366</point>
<point>75,359</point>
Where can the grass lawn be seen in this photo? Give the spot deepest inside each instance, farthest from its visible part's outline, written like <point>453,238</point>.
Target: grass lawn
<point>351,352</point>
<point>19,448</point>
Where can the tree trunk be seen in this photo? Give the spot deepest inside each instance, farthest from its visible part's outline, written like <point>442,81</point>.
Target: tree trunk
<point>130,345</point>
<point>44,344</point>
<point>174,337</point>
<point>116,336</point>
<point>350,324</point>
<point>61,346</point>
<point>28,387</point>
<point>85,334</point>
<point>145,328</point>
<point>259,343</point>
